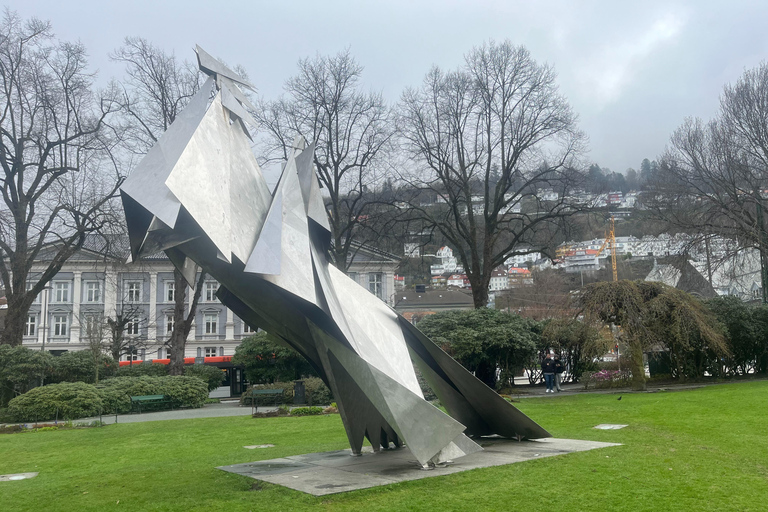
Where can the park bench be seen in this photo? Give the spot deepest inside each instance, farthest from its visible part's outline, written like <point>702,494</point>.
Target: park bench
<point>149,400</point>
<point>276,393</point>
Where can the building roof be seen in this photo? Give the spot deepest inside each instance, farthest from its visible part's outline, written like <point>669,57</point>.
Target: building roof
<point>679,273</point>
<point>433,299</point>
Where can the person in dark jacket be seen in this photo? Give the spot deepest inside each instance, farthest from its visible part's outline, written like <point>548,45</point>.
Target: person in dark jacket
<point>548,369</point>
<point>559,369</point>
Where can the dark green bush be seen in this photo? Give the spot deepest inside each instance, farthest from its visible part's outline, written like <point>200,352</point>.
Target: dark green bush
<point>210,374</point>
<point>183,391</point>
<point>143,369</point>
<point>80,366</point>
<point>21,368</point>
<point>267,360</point>
<point>306,411</point>
<point>68,400</point>
<point>317,393</point>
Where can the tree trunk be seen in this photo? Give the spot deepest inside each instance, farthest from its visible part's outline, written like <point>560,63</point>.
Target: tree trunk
<point>479,285</point>
<point>636,365</point>
<point>181,324</point>
<point>486,372</point>
<point>178,346</point>
<point>15,319</point>
<point>178,342</point>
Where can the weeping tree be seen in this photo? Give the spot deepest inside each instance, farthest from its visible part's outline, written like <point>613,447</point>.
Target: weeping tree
<point>655,316</point>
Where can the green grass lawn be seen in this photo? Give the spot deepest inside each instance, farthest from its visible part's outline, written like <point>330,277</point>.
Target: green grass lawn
<point>705,449</point>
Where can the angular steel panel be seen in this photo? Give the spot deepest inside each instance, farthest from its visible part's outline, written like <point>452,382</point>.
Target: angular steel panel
<point>146,184</point>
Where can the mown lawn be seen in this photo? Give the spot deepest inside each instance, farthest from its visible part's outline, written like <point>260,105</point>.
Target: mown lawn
<point>705,449</point>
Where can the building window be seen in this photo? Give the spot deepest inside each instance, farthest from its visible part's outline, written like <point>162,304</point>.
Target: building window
<point>133,291</point>
<point>210,291</point>
<point>61,292</point>
<point>60,324</point>
<point>374,284</point>
<point>169,322</point>
<point>30,328</point>
<point>210,351</point>
<point>247,329</point>
<point>132,355</point>
<point>92,291</point>
<point>132,327</point>
<point>211,321</point>
<point>352,276</point>
<point>170,291</point>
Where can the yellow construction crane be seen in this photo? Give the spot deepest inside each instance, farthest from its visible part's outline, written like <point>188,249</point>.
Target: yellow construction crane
<point>610,239</point>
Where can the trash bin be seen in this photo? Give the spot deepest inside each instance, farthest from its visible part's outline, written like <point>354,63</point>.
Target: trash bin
<point>299,393</point>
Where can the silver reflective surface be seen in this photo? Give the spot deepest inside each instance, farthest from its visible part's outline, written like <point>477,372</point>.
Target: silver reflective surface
<point>200,196</point>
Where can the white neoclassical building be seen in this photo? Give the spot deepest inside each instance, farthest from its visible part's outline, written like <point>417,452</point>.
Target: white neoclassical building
<point>93,286</point>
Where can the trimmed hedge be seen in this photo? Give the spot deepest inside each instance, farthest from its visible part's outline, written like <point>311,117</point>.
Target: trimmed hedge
<point>183,391</point>
<point>72,400</point>
<point>317,393</point>
<point>306,411</point>
<point>68,401</point>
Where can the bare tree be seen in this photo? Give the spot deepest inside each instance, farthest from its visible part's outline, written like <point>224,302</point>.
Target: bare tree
<point>57,173</point>
<point>488,138</point>
<point>713,178</point>
<point>95,330</point>
<point>351,130</point>
<point>125,331</point>
<point>156,88</point>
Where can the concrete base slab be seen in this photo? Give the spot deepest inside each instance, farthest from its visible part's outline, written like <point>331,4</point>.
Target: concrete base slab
<point>332,472</point>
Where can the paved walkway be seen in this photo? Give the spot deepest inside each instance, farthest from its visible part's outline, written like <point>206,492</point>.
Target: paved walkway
<point>207,411</point>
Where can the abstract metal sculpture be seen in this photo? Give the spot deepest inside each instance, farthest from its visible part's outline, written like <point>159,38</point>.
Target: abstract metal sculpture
<point>200,196</point>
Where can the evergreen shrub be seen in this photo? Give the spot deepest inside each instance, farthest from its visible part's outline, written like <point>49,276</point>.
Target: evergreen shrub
<point>67,400</point>
<point>213,376</point>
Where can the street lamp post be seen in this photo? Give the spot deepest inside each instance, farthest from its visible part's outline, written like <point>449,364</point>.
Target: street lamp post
<point>44,313</point>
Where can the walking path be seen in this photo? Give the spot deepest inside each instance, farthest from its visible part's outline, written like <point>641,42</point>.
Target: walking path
<point>207,411</point>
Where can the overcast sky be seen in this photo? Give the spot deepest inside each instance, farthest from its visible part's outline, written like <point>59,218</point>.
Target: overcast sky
<point>632,71</point>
